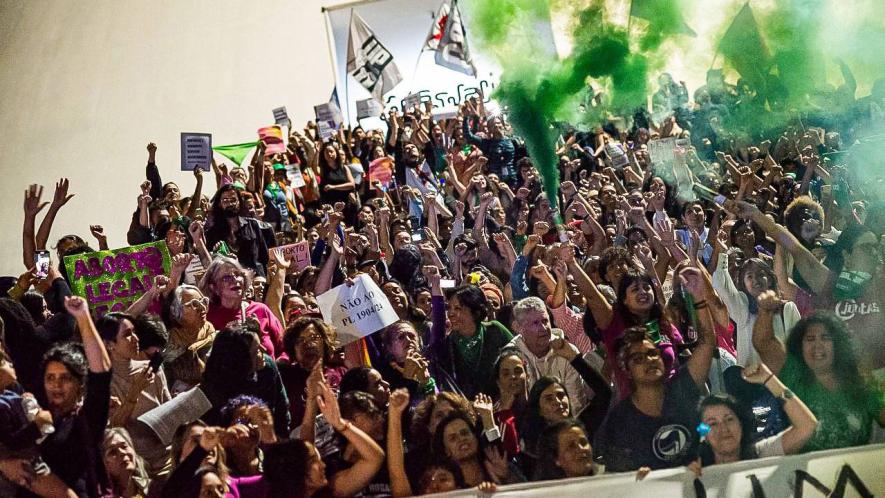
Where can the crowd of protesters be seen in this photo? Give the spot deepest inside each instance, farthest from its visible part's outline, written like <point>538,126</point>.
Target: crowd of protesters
<point>725,304</point>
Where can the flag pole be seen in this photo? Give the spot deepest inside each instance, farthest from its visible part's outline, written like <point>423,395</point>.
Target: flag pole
<point>346,74</point>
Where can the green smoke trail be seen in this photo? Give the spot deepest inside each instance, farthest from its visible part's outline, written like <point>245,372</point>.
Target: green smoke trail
<point>537,93</point>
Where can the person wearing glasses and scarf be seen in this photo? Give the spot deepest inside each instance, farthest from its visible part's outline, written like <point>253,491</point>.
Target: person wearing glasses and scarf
<point>190,337</point>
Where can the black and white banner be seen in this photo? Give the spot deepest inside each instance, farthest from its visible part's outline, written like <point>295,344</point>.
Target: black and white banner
<point>368,61</point>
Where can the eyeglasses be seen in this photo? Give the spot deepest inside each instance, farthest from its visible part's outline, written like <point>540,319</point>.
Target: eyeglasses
<point>229,200</point>
<point>232,278</point>
<point>649,355</point>
<point>312,337</point>
<point>200,302</point>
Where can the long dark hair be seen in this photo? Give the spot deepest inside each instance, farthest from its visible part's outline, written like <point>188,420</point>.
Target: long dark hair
<point>218,229</point>
<point>655,314</point>
<point>286,468</point>
<point>439,447</point>
<point>548,449</point>
<point>532,422</point>
<point>229,367</point>
<point>752,303</point>
<point>844,360</point>
<point>745,418</point>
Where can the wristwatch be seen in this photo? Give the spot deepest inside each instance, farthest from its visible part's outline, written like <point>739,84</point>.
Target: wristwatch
<point>787,395</point>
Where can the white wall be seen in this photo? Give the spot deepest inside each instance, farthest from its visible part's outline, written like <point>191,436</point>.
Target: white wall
<point>86,84</point>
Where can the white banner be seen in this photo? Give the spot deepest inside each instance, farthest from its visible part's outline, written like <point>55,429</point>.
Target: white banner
<point>356,310</point>
<point>403,25</point>
<point>850,472</point>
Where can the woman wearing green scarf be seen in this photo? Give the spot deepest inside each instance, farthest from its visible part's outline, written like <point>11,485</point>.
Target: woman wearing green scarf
<point>464,359</point>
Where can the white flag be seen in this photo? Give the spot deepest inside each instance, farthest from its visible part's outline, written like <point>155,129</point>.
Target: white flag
<point>368,61</point>
<point>439,25</point>
<point>452,51</point>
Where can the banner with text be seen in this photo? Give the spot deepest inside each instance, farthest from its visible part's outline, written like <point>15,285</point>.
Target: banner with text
<point>356,310</point>
<point>849,472</point>
<point>403,25</point>
<point>112,280</point>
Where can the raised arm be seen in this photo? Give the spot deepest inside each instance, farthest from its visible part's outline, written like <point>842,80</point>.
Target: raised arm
<point>60,198</point>
<point>396,461</point>
<point>813,271</point>
<point>802,422</point>
<point>771,350</point>
<point>32,206</point>
<point>96,354</point>
<point>198,193</point>
<point>702,354</point>
<point>369,455</point>
<point>596,302</point>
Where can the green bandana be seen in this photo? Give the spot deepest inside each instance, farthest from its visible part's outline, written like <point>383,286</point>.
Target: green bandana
<point>470,348</point>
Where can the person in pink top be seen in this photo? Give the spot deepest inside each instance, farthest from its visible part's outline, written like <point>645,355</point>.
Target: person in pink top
<point>225,283</point>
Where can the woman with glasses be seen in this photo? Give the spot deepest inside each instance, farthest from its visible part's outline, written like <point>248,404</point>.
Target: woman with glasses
<point>655,426</point>
<point>190,337</point>
<point>225,284</point>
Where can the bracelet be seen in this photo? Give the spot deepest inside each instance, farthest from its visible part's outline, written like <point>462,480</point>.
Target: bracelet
<point>344,428</point>
<point>768,378</point>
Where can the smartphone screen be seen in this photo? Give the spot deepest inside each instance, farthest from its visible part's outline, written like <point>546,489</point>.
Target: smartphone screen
<point>417,237</point>
<point>447,283</point>
<point>41,264</point>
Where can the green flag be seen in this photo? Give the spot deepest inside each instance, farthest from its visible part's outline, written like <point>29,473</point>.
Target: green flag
<point>744,49</point>
<point>664,18</point>
<point>236,152</point>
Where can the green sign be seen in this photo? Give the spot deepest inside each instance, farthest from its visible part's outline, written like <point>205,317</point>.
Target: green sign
<point>114,279</point>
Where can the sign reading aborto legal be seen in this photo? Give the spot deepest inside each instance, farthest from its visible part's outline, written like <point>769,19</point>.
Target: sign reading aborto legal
<point>356,310</point>
<point>114,279</point>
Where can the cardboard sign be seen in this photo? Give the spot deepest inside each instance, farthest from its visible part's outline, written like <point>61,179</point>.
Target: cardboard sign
<point>272,136</point>
<point>295,176</point>
<point>281,117</point>
<point>328,118</point>
<point>411,102</point>
<point>369,108</point>
<point>114,279</point>
<point>196,150</point>
<point>381,170</point>
<point>356,310</point>
<point>298,254</point>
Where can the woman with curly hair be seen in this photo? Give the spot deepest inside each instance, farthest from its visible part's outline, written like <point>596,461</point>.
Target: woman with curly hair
<point>308,344</point>
<point>818,362</point>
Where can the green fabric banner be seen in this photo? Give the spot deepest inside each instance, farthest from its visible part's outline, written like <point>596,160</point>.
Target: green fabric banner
<point>235,152</point>
<point>114,279</point>
<point>743,48</point>
<point>664,16</point>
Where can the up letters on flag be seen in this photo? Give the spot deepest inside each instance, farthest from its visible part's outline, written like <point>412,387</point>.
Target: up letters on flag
<point>368,61</point>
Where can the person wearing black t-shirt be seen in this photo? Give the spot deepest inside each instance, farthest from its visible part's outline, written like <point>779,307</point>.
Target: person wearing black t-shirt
<point>655,426</point>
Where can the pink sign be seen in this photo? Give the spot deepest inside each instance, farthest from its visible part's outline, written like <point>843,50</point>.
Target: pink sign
<point>272,136</point>
<point>298,253</point>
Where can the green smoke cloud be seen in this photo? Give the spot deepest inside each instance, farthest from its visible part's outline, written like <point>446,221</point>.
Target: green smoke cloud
<point>538,92</point>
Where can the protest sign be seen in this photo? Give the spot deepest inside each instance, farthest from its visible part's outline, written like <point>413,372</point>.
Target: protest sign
<point>328,118</point>
<point>356,310</point>
<point>411,102</point>
<point>281,117</point>
<point>295,176</point>
<point>272,136</point>
<point>112,280</point>
<point>381,170</point>
<point>660,150</point>
<point>298,254</point>
<point>196,150</point>
<point>368,108</point>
